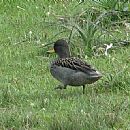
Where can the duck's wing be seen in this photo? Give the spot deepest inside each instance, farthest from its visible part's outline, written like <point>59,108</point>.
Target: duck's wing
<point>75,64</point>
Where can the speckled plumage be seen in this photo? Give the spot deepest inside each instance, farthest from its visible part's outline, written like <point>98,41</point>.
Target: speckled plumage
<point>71,70</point>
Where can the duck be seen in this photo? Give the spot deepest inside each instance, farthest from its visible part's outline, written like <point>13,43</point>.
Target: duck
<point>70,70</point>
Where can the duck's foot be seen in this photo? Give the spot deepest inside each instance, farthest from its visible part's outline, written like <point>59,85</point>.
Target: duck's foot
<point>61,87</point>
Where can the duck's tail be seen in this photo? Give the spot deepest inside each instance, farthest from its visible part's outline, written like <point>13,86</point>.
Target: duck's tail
<point>95,74</point>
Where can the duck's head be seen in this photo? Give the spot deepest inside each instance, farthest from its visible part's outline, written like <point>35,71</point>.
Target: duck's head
<point>61,48</point>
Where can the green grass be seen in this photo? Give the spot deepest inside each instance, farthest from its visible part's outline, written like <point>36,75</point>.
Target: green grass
<point>28,100</point>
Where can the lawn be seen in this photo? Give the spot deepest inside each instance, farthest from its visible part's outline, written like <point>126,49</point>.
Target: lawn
<point>28,100</point>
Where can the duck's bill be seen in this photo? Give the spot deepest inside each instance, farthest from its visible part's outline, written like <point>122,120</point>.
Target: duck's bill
<point>51,51</point>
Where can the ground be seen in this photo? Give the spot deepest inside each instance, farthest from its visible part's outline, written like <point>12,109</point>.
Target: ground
<point>27,96</point>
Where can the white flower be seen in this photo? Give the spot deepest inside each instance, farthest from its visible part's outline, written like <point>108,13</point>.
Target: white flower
<point>30,32</point>
<point>127,26</point>
<point>82,110</point>
<point>48,13</point>
<point>32,104</point>
<point>30,35</point>
<point>43,109</point>
<point>38,41</point>
<point>45,100</point>
<point>20,7</point>
<point>108,47</point>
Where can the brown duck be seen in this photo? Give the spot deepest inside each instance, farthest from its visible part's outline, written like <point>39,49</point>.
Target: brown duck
<point>71,70</point>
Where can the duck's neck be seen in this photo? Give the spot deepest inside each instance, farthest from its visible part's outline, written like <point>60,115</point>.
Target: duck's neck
<point>64,54</point>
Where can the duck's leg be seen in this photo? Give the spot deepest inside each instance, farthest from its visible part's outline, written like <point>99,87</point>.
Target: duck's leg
<point>64,86</point>
<point>83,89</point>
<point>61,87</point>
